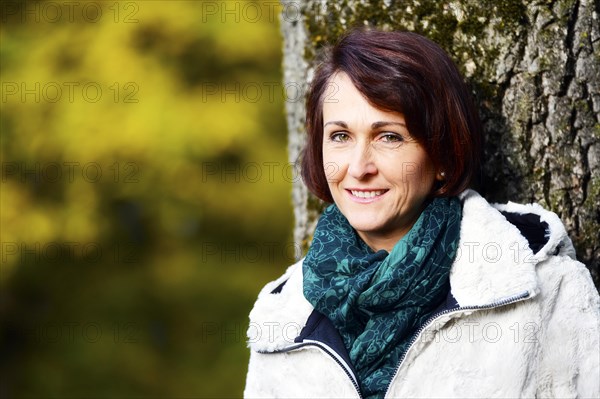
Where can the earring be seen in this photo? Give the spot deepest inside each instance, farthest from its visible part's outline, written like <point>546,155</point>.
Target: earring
<point>443,174</point>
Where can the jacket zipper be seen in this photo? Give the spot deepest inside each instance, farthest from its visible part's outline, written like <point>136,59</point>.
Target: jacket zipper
<point>325,348</point>
<point>507,301</point>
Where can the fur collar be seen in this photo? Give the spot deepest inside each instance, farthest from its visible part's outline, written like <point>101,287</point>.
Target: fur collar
<point>277,318</point>
<point>494,262</point>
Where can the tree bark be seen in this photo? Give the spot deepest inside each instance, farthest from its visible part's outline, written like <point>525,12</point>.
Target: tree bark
<point>533,67</point>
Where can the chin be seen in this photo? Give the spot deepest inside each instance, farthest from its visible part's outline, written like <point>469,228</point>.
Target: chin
<point>365,226</point>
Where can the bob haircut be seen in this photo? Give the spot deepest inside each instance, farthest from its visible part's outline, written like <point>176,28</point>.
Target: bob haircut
<point>406,73</point>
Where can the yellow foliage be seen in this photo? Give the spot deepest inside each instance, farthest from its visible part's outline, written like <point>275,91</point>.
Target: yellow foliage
<point>133,140</point>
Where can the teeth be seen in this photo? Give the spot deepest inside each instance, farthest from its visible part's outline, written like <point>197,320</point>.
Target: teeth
<point>367,194</point>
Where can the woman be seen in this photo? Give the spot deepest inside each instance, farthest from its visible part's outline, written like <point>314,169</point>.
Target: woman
<point>414,285</point>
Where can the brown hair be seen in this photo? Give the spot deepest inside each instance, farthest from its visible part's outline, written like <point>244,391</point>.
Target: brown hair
<point>406,73</point>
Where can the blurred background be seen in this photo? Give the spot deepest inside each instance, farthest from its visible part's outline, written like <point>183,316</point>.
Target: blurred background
<point>145,194</point>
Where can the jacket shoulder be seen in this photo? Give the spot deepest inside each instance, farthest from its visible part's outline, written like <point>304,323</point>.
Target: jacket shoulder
<point>501,248</point>
<point>275,286</point>
<point>279,313</point>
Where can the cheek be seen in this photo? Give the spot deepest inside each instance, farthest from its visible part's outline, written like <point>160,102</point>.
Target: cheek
<point>421,175</point>
<point>333,171</point>
<point>418,172</point>
<point>333,166</point>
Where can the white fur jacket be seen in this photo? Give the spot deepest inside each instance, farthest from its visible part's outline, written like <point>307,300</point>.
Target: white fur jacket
<point>522,320</point>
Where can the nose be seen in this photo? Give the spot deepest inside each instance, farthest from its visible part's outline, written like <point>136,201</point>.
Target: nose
<point>360,164</point>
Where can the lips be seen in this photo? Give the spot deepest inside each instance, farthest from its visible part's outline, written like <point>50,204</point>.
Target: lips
<point>366,195</point>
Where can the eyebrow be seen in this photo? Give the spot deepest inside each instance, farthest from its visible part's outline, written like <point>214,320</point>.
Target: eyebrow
<point>374,125</point>
<point>377,125</point>
<point>338,123</point>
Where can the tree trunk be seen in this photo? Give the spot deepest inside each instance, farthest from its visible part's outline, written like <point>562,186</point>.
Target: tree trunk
<point>533,67</point>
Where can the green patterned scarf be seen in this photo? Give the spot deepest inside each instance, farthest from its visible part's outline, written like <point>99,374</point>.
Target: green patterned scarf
<point>378,300</point>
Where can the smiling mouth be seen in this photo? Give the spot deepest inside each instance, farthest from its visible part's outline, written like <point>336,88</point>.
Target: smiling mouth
<point>367,194</point>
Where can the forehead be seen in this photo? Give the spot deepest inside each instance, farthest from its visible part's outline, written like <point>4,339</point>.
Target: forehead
<point>343,102</point>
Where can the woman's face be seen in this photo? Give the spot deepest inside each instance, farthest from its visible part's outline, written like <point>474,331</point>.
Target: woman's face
<point>378,174</point>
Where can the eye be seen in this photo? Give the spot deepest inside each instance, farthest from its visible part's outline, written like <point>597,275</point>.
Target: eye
<point>390,137</point>
<point>339,137</point>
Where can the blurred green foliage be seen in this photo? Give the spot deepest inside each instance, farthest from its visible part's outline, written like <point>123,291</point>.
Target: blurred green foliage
<point>144,196</point>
